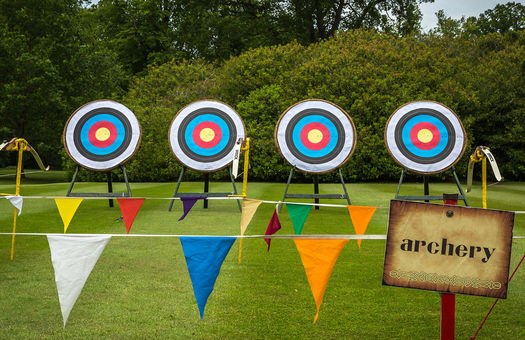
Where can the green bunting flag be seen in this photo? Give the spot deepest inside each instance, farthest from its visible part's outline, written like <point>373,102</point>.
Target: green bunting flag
<point>298,214</point>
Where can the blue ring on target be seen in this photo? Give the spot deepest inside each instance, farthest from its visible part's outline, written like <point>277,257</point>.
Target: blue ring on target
<point>405,135</point>
<point>188,135</point>
<point>296,136</point>
<point>109,149</point>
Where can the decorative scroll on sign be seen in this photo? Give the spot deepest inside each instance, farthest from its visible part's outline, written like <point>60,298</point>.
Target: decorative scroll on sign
<point>101,135</point>
<point>448,248</point>
<point>425,137</point>
<point>203,135</point>
<point>315,136</point>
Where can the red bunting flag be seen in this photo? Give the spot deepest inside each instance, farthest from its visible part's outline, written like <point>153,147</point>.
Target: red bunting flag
<point>273,227</point>
<point>129,207</point>
<point>360,217</point>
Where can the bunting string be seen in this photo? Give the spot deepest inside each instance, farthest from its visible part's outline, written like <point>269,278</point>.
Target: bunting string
<point>288,236</point>
<point>214,198</point>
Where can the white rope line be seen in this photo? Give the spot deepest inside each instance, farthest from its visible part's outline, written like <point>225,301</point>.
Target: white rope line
<point>274,236</point>
<point>123,197</point>
<point>203,197</point>
<point>311,236</point>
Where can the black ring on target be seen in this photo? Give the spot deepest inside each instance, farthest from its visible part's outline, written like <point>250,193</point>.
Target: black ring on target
<point>315,136</point>
<point>425,137</point>
<point>304,156</point>
<point>202,157</point>
<point>103,156</point>
<point>101,135</point>
<point>203,135</point>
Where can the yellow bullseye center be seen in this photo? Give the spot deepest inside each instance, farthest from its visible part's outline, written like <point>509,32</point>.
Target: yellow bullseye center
<point>207,134</point>
<point>424,135</point>
<point>315,136</point>
<point>102,134</point>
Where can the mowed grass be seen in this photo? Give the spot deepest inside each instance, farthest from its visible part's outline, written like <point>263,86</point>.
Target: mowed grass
<point>140,287</point>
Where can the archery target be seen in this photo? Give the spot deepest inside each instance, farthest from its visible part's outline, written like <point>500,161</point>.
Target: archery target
<point>203,134</point>
<point>425,137</point>
<point>101,135</point>
<point>315,136</point>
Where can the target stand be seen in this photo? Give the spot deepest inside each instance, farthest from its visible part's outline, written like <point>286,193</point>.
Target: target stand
<point>206,136</point>
<point>110,192</point>
<point>316,196</point>
<point>316,137</point>
<point>100,136</point>
<point>427,138</point>
<point>206,192</point>
<point>426,190</point>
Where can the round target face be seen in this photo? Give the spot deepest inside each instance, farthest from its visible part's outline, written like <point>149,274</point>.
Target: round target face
<point>425,137</point>
<point>101,135</point>
<point>203,134</point>
<point>315,136</point>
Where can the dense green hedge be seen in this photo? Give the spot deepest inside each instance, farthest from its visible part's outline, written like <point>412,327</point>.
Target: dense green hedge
<point>366,73</point>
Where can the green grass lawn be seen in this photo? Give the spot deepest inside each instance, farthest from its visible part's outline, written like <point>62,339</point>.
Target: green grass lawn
<point>140,287</point>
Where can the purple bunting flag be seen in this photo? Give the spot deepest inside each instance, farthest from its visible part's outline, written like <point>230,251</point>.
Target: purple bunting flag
<point>188,203</point>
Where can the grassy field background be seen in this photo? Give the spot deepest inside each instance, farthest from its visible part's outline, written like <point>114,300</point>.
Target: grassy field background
<point>140,287</point>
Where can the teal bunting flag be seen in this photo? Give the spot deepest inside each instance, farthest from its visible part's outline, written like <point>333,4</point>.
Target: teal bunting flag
<point>298,214</point>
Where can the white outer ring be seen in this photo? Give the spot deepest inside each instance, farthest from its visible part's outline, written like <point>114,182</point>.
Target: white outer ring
<point>348,128</point>
<point>105,165</point>
<point>440,166</point>
<point>173,135</point>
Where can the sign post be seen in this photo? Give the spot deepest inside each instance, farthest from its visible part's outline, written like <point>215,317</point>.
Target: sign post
<point>448,301</point>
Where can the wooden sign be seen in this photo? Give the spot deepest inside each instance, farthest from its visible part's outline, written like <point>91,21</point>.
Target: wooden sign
<point>448,248</point>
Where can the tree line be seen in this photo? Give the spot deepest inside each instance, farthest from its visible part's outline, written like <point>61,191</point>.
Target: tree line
<point>157,56</point>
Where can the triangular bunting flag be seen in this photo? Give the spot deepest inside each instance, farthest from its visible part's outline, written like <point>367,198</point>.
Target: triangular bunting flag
<point>360,217</point>
<point>17,202</point>
<point>67,208</point>
<point>273,227</point>
<point>298,214</point>
<point>73,258</point>
<point>129,208</point>
<point>319,258</point>
<point>204,257</point>
<point>249,207</point>
<point>188,203</point>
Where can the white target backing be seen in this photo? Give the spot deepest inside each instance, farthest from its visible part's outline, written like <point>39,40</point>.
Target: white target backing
<point>315,136</point>
<point>203,134</point>
<point>425,137</point>
<point>101,135</point>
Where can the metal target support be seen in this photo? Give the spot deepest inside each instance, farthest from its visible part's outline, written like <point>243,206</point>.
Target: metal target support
<point>316,196</point>
<point>110,194</point>
<point>426,192</point>
<point>206,192</point>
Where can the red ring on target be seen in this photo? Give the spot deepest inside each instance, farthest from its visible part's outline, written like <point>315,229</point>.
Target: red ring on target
<point>199,132</point>
<point>311,144</point>
<point>96,139</point>
<point>419,141</point>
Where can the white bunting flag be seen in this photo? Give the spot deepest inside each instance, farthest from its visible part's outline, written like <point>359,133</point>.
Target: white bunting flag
<point>73,259</point>
<point>16,201</point>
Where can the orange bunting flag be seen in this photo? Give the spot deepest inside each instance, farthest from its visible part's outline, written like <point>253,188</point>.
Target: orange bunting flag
<point>129,208</point>
<point>67,208</point>
<point>319,257</point>
<point>360,217</point>
<point>249,207</point>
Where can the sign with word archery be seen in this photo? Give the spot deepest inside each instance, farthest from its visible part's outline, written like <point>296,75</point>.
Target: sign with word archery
<point>448,248</point>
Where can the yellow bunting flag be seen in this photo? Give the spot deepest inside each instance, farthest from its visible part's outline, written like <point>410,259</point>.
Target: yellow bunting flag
<point>319,257</point>
<point>67,208</point>
<point>249,207</point>
<point>360,216</point>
